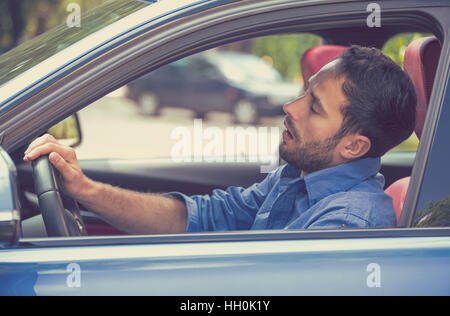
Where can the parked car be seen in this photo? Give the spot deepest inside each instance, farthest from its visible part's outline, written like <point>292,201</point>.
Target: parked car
<point>44,81</point>
<point>224,81</point>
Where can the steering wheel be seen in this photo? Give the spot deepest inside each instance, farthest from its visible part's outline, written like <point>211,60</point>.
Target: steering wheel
<point>60,212</point>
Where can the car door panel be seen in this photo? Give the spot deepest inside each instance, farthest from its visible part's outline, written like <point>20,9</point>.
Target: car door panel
<point>354,266</point>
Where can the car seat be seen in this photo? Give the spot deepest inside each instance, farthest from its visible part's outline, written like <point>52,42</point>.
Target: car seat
<point>316,57</point>
<point>420,63</point>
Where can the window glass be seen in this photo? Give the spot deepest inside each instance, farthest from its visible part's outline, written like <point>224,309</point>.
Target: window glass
<point>433,208</point>
<point>183,111</point>
<point>32,52</point>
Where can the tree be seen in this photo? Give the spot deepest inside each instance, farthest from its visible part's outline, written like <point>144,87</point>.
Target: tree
<point>22,20</point>
<point>396,46</point>
<point>15,7</point>
<point>285,51</point>
<point>436,215</point>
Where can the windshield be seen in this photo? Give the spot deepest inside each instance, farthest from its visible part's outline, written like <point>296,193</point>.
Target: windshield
<point>31,53</point>
<point>242,68</point>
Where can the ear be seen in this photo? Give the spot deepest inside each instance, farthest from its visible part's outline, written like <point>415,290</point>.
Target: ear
<point>355,146</point>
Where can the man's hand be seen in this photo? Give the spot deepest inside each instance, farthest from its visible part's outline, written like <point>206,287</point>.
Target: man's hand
<point>64,159</point>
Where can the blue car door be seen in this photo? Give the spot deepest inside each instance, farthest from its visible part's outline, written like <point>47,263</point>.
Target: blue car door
<point>261,263</point>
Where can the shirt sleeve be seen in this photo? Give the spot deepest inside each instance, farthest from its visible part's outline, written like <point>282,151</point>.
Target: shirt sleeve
<point>339,219</point>
<point>232,209</point>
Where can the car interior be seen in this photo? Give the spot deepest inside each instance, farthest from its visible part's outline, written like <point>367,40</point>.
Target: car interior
<point>420,62</point>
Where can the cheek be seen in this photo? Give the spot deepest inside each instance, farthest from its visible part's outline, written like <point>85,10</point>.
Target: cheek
<point>314,129</point>
<point>322,128</point>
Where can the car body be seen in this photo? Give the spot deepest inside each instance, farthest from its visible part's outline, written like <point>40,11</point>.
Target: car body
<point>408,259</point>
<point>252,88</point>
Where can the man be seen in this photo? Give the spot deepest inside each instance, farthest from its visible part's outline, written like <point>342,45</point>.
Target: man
<point>355,109</point>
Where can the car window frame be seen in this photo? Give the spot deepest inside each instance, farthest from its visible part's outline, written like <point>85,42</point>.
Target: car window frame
<point>436,103</point>
<point>434,123</point>
<point>234,236</point>
<point>163,58</point>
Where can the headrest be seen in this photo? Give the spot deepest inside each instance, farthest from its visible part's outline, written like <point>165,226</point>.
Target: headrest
<point>317,57</point>
<point>420,62</point>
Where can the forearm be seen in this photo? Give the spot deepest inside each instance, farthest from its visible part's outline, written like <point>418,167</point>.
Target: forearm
<point>135,212</point>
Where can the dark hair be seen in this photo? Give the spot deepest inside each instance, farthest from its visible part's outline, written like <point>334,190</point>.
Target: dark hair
<point>381,99</point>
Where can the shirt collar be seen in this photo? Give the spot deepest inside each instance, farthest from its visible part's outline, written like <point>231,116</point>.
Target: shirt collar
<point>340,178</point>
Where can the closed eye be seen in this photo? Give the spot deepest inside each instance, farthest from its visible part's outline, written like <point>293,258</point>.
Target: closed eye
<point>314,101</point>
<point>312,108</point>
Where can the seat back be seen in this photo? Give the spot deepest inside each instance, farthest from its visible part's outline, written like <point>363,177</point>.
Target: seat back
<point>420,63</point>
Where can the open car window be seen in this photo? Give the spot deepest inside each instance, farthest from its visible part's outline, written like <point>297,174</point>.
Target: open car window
<point>210,120</point>
<point>204,113</point>
<point>235,93</point>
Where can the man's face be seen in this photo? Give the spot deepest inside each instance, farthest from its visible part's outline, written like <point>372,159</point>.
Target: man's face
<point>312,122</point>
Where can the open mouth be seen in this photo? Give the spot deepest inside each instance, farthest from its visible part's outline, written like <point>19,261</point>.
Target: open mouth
<point>287,135</point>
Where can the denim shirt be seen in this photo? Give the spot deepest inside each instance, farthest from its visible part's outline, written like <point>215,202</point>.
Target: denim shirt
<point>347,195</point>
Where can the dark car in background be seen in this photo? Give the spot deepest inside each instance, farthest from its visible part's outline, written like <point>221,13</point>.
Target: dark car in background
<point>224,81</point>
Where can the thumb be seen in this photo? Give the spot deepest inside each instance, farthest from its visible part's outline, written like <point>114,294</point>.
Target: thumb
<point>63,166</point>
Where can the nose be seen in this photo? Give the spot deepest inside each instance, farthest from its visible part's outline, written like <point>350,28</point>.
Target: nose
<point>295,108</point>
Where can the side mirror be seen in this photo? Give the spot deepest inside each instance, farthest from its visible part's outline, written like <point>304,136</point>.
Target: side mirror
<point>68,131</point>
<point>9,202</point>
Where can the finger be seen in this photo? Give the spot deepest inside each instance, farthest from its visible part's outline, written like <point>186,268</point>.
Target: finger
<point>63,166</point>
<point>66,152</point>
<point>47,138</point>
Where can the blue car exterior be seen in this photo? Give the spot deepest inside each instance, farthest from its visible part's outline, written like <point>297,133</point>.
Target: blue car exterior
<point>353,266</point>
<point>410,260</point>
